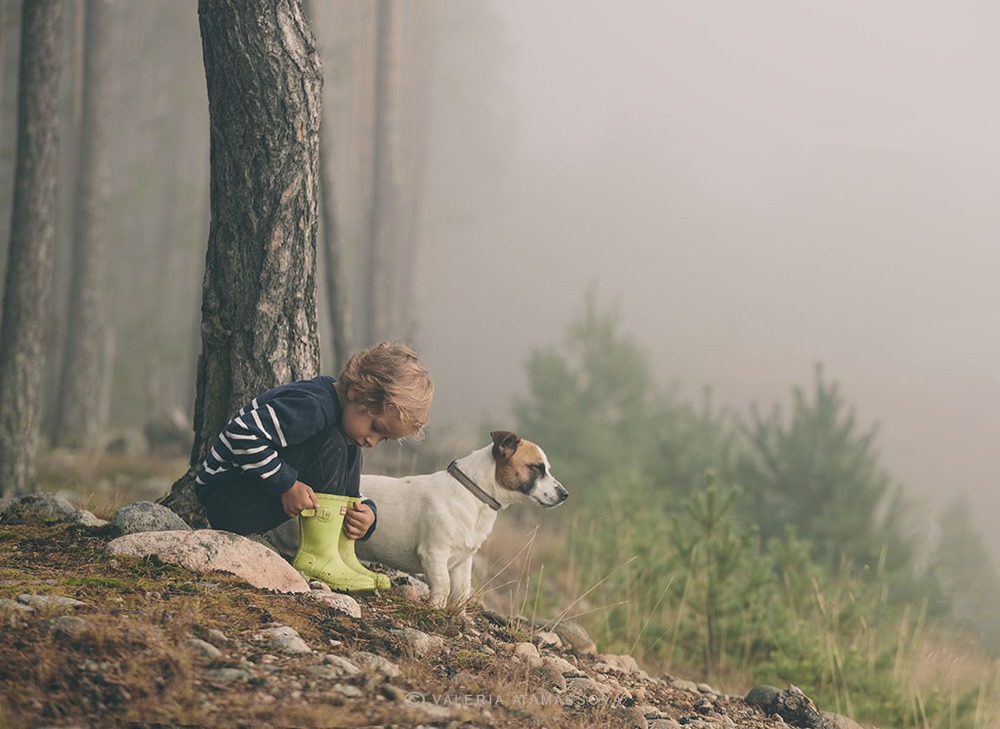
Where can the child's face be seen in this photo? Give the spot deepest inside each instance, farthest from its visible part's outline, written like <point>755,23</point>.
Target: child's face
<point>367,430</point>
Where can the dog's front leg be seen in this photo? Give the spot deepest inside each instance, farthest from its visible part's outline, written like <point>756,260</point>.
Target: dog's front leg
<point>461,582</point>
<point>435,564</point>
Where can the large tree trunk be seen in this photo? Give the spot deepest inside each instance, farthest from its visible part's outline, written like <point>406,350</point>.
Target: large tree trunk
<point>259,317</point>
<point>78,422</point>
<point>29,267</point>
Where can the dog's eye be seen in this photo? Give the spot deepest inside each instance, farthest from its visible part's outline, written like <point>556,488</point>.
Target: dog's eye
<point>538,469</point>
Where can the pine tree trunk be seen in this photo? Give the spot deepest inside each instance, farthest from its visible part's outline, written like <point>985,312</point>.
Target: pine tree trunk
<point>29,267</point>
<point>380,267</point>
<point>330,241</point>
<point>259,316</point>
<point>79,416</point>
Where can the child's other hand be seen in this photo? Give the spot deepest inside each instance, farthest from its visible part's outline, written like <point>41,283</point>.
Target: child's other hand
<point>297,498</point>
<point>358,520</point>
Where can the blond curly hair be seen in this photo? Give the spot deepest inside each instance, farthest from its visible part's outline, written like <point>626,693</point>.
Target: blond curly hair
<point>390,375</point>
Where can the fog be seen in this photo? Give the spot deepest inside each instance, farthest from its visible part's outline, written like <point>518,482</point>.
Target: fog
<point>755,187</point>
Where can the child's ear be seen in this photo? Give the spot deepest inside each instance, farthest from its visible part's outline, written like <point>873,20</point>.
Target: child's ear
<point>352,394</point>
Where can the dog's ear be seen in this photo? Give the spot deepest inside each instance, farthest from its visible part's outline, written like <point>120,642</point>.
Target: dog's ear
<point>504,443</point>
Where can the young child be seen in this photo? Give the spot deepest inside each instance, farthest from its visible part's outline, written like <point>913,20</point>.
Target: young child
<point>295,450</point>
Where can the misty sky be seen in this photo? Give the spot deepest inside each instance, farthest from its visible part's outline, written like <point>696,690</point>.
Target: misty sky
<point>756,187</point>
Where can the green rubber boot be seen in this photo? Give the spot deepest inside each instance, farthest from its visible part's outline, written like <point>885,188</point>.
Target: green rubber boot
<point>346,548</point>
<point>320,532</point>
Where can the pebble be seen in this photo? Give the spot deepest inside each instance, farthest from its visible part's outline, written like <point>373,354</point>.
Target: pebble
<point>203,648</point>
<point>48,601</point>
<point>283,639</point>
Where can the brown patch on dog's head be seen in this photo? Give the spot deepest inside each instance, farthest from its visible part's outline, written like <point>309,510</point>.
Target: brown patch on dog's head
<point>519,462</point>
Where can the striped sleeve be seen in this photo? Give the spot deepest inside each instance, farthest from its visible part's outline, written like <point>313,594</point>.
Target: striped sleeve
<point>251,441</point>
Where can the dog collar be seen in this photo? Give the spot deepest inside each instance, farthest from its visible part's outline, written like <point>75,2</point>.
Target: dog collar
<point>473,487</point>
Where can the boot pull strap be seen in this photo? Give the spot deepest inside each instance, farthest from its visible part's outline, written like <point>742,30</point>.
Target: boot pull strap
<point>322,514</point>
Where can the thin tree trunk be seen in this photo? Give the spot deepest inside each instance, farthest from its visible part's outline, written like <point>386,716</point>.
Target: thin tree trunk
<point>71,113</point>
<point>336,299</point>
<point>259,317</point>
<point>29,268</point>
<point>79,417</point>
<point>380,278</point>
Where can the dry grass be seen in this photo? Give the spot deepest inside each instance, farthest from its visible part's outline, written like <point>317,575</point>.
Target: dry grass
<point>130,662</point>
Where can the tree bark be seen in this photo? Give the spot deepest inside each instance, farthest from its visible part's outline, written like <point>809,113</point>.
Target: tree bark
<point>259,314</point>
<point>29,267</point>
<point>78,422</point>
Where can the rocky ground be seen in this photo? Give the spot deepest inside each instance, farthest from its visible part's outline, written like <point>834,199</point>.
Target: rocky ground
<point>94,639</point>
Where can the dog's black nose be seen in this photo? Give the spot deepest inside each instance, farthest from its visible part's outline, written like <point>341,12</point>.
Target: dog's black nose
<point>563,494</point>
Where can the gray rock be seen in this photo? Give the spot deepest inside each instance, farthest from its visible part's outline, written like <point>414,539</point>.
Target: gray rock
<point>376,663</point>
<point>38,507</point>
<point>549,639</point>
<point>560,664</point>
<point>684,685</point>
<point>791,705</point>
<point>527,653</point>
<point>203,648</point>
<point>346,689</point>
<point>339,667</point>
<point>415,643</point>
<point>613,663</point>
<point>38,601</point>
<point>344,603</point>
<point>228,675</point>
<point>836,721</point>
<point>574,635</point>
<point>284,639</point>
<point>145,516</point>
<point>85,518</point>
<point>69,626</point>
<point>14,605</point>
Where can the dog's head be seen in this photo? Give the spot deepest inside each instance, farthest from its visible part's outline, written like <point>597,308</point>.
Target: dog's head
<point>522,468</point>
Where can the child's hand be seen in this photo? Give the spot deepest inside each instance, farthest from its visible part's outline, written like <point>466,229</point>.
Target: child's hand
<point>297,498</point>
<point>358,520</point>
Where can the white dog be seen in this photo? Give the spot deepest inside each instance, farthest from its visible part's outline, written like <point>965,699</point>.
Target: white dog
<point>436,523</point>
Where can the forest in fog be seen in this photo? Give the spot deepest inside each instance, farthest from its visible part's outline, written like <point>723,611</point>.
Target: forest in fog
<point>712,333</point>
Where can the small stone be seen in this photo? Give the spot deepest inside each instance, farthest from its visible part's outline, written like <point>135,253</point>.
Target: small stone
<point>216,637</point>
<point>684,685</point>
<point>38,601</point>
<point>69,626</point>
<point>283,639</point>
<point>548,639</point>
<point>344,603</point>
<point>346,689</point>
<point>576,637</point>
<point>527,653</point>
<point>228,675</point>
<point>415,643</point>
<point>340,666</point>
<point>609,662</point>
<point>203,648</point>
<point>146,516</point>
<point>376,663</point>
<point>14,605</point>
